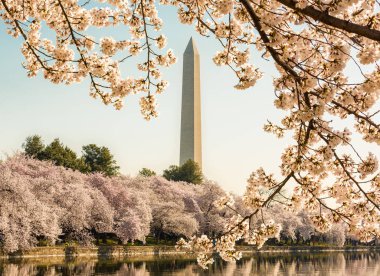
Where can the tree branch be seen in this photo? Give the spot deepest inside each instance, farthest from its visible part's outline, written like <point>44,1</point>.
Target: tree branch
<point>335,22</point>
<point>264,37</point>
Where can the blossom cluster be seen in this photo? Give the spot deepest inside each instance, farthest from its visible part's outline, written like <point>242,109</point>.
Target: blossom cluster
<point>72,55</point>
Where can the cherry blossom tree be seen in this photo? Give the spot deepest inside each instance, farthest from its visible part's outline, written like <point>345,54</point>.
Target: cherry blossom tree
<point>291,223</point>
<point>297,226</point>
<point>133,214</point>
<point>311,44</point>
<point>174,208</point>
<point>60,190</point>
<point>213,219</point>
<point>22,217</point>
<point>336,235</point>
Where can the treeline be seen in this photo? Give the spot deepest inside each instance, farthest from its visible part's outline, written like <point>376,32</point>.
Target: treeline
<point>99,159</point>
<point>94,158</point>
<point>44,204</point>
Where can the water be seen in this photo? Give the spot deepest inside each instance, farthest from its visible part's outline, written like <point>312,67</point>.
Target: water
<point>326,263</point>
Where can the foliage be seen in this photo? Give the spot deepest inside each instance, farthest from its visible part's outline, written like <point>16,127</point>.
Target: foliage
<point>189,172</point>
<point>147,172</point>
<point>34,146</point>
<point>62,156</point>
<point>99,159</point>
<point>94,158</point>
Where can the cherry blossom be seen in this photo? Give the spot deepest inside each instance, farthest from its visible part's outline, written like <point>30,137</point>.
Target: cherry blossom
<point>326,55</point>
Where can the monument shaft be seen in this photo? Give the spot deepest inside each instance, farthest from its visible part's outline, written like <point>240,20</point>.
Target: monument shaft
<point>191,143</point>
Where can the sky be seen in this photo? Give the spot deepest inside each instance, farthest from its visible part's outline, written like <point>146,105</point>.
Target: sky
<point>233,141</point>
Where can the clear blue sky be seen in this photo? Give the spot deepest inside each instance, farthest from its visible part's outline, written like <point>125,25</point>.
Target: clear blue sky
<point>234,143</point>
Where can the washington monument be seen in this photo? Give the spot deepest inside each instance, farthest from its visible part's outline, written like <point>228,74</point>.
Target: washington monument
<point>191,143</point>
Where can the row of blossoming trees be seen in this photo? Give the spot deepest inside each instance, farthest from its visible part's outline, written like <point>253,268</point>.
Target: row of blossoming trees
<point>42,201</point>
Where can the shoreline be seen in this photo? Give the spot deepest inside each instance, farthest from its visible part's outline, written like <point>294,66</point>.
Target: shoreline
<point>135,251</point>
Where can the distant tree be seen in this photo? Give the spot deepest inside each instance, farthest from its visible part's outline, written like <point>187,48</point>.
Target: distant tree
<point>46,198</point>
<point>171,219</point>
<point>94,159</point>
<point>34,146</point>
<point>172,173</point>
<point>131,208</point>
<point>336,235</point>
<point>175,210</point>
<point>62,155</point>
<point>100,159</point>
<point>213,219</point>
<point>147,172</point>
<point>191,172</point>
<point>188,172</point>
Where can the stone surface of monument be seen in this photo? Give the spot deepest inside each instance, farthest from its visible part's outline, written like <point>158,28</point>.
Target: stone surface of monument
<point>191,142</point>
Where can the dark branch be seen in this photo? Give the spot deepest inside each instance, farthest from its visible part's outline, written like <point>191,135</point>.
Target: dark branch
<point>332,21</point>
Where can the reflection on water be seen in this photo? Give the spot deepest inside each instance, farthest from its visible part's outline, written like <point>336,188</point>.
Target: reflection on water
<point>332,263</point>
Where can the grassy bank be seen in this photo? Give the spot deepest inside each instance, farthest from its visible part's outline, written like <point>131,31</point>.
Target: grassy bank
<point>130,251</point>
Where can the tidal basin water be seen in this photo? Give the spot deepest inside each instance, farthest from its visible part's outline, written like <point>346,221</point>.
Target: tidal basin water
<point>321,263</point>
